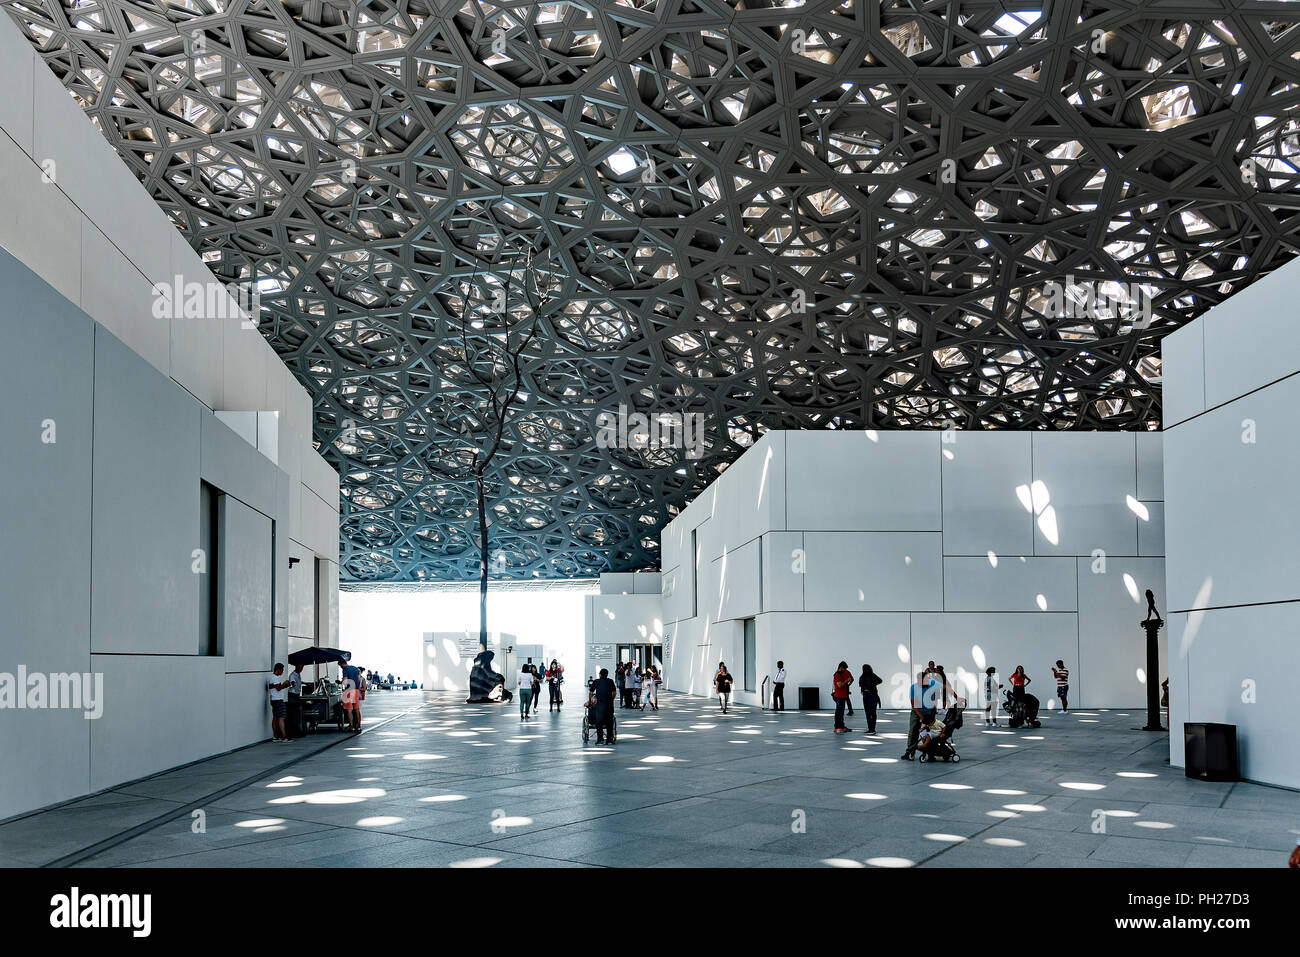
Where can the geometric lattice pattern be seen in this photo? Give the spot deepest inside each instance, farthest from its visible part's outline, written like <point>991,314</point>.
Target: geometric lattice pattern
<point>809,215</point>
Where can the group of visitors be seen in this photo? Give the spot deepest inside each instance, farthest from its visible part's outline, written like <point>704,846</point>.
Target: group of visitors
<point>930,692</point>
<point>530,681</point>
<point>637,687</point>
<point>285,688</point>
<point>841,693</point>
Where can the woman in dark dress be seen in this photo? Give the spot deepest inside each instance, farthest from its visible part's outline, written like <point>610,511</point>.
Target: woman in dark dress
<point>868,683</point>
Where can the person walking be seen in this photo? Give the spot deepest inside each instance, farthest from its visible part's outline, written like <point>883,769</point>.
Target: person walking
<point>353,680</point>
<point>1018,682</point>
<point>524,685</point>
<point>778,688</point>
<point>537,688</point>
<point>841,682</point>
<point>722,683</point>
<point>650,693</point>
<point>1062,676</point>
<point>600,707</point>
<point>868,684</point>
<point>554,678</point>
<point>991,689</point>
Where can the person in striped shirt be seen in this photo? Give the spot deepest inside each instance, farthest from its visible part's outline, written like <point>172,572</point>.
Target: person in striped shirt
<point>1062,674</point>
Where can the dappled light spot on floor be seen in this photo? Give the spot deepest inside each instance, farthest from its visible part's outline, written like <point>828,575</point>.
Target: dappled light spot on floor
<point>476,862</point>
<point>1026,808</point>
<point>504,820</point>
<point>658,759</point>
<point>1008,792</point>
<point>1154,825</point>
<point>841,862</point>
<point>1135,774</point>
<point>342,796</point>
<point>1082,786</point>
<point>890,862</point>
<point>866,796</point>
<point>1119,813</point>
<point>443,798</point>
<point>1003,842</point>
<point>946,786</point>
<point>1006,814</point>
<point>380,821</point>
<point>260,822</point>
<point>947,838</point>
<point>423,757</point>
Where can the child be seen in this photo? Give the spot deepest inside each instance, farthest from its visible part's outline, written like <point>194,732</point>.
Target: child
<point>991,689</point>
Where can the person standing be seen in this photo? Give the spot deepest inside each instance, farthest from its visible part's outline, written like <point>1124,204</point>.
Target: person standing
<point>600,706</point>
<point>917,695</point>
<point>1062,676</point>
<point>352,696</point>
<point>1018,682</point>
<point>277,684</point>
<point>554,678</point>
<point>537,688</point>
<point>635,693</point>
<point>991,689</point>
<point>778,688</point>
<point>620,680</point>
<point>841,681</point>
<point>524,686</point>
<point>650,693</point>
<point>722,684</point>
<point>869,684</point>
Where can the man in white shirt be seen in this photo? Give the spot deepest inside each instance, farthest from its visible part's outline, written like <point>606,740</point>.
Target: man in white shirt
<point>778,688</point>
<point>277,684</point>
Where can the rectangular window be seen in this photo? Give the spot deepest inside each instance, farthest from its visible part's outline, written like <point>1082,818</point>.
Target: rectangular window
<point>206,566</point>
<point>695,576</point>
<point>751,654</point>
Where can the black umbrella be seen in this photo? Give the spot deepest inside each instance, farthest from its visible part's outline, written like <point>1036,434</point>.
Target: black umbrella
<point>316,655</point>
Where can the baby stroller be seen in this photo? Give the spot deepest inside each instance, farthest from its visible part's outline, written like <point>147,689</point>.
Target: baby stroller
<point>942,748</point>
<point>1023,712</point>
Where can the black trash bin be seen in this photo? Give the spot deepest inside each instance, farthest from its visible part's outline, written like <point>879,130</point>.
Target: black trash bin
<point>809,698</point>
<point>1210,751</point>
<point>293,717</point>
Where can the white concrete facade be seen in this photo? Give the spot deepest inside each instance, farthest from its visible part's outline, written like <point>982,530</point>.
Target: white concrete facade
<point>1232,383</point>
<point>893,548</point>
<point>627,611</point>
<point>115,419</point>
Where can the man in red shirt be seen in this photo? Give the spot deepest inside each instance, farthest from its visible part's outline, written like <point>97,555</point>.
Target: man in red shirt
<point>841,681</point>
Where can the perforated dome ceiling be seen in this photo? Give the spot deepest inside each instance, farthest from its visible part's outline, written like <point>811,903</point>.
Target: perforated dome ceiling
<point>745,211</point>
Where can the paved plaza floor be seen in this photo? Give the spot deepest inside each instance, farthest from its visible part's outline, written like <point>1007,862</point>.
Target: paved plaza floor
<point>434,782</point>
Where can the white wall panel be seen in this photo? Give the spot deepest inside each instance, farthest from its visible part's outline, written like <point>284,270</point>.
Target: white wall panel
<point>1016,583</point>
<point>965,644</point>
<point>784,571</point>
<point>45,564</point>
<point>39,225</point>
<point>1112,647</point>
<point>16,106</point>
<point>981,511</point>
<point>1087,477</point>
<point>1232,515</point>
<point>870,481</point>
<point>244,559</point>
<point>248,706</point>
<point>1150,466</point>
<point>1182,364</point>
<point>1243,666</point>
<point>159,711</point>
<point>873,571</point>
<point>146,507</point>
<point>1238,362</point>
<point>739,574</point>
<point>1151,531</point>
<point>811,645</point>
<point>751,497</point>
